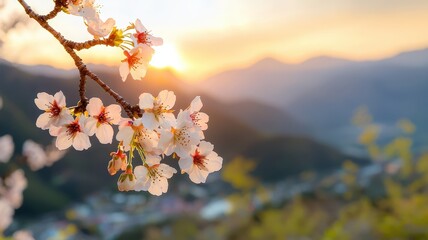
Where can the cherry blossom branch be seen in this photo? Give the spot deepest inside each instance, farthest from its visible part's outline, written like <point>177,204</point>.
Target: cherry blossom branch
<point>69,47</point>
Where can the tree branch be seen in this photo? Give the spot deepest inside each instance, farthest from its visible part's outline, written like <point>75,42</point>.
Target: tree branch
<point>69,47</point>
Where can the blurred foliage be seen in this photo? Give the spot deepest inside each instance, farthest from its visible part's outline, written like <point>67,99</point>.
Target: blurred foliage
<point>237,173</point>
<point>340,206</point>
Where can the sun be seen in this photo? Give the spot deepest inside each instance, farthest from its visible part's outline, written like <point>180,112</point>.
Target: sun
<point>167,55</point>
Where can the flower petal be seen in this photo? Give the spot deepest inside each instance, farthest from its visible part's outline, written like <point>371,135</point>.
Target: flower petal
<point>81,142</point>
<point>105,133</point>
<point>167,98</point>
<point>205,148</point>
<point>63,141</point>
<point>146,101</point>
<point>124,70</point>
<point>186,163</point>
<point>149,121</point>
<point>60,99</point>
<point>138,72</point>
<point>94,106</point>
<point>43,100</point>
<point>91,126</point>
<point>114,113</point>
<point>43,121</point>
<point>155,41</point>
<point>196,105</point>
<point>139,26</point>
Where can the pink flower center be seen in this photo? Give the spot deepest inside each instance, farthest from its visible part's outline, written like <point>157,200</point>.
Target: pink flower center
<point>141,37</point>
<point>73,128</point>
<point>103,117</point>
<point>54,109</point>
<point>131,59</point>
<point>199,160</point>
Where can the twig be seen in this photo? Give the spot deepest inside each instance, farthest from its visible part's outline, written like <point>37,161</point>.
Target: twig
<point>54,12</point>
<point>91,43</point>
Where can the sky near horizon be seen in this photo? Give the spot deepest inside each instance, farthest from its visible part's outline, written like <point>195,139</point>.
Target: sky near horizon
<point>204,37</point>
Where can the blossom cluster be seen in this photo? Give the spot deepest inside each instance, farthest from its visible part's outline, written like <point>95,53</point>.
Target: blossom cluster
<point>135,40</point>
<point>156,134</point>
<point>38,157</point>
<point>11,190</point>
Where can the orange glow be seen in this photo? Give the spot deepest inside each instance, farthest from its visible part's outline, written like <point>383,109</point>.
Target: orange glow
<point>167,56</point>
<point>199,53</point>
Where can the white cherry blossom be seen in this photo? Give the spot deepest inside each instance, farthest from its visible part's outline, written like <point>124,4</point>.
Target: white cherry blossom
<point>136,62</point>
<point>136,134</point>
<point>22,235</point>
<point>56,112</point>
<point>158,110</point>
<point>200,162</point>
<point>6,148</point>
<point>15,184</point>
<point>6,213</point>
<point>142,36</point>
<point>153,177</point>
<point>73,134</point>
<point>199,119</point>
<point>84,8</point>
<point>101,118</point>
<point>99,28</point>
<point>180,138</point>
<point>35,155</point>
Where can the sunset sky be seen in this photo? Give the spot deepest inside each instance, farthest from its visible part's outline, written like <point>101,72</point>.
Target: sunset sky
<point>203,37</point>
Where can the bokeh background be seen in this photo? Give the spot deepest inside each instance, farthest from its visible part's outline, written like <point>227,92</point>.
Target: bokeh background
<point>318,109</point>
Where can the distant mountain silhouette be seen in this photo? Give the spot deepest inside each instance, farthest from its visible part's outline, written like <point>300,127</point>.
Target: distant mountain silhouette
<point>266,118</point>
<point>322,93</point>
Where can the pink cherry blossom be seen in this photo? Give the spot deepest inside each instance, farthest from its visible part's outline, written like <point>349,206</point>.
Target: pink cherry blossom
<point>136,62</point>
<point>99,28</point>
<point>6,148</point>
<point>153,178</point>
<point>73,134</point>
<point>199,118</point>
<point>56,112</point>
<point>35,155</point>
<point>15,184</point>
<point>142,36</point>
<point>157,110</point>
<point>200,162</point>
<point>22,235</point>
<point>180,138</point>
<point>84,8</point>
<point>6,213</point>
<point>101,118</point>
<point>137,135</point>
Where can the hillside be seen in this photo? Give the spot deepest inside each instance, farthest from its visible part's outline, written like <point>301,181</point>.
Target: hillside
<point>73,177</point>
<point>323,93</point>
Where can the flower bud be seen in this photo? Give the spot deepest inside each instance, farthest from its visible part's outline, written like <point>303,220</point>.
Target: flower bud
<point>126,180</point>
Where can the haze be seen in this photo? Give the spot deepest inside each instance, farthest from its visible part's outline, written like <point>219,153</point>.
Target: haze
<point>204,37</point>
